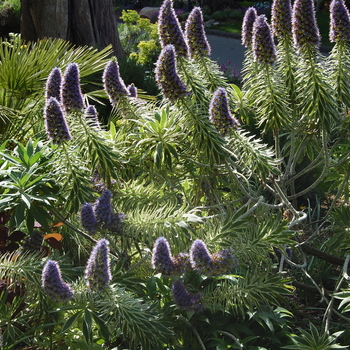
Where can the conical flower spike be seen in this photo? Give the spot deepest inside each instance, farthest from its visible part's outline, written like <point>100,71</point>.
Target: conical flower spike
<point>166,75</point>
<point>304,26</point>
<point>247,26</point>
<point>169,29</point>
<point>340,22</point>
<point>219,112</point>
<point>223,262</point>
<point>71,96</point>
<point>161,257</point>
<point>97,272</point>
<point>55,122</point>
<point>53,85</point>
<point>113,83</point>
<point>88,219</point>
<point>53,284</point>
<point>132,90</point>
<point>200,257</point>
<point>195,35</point>
<point>264,50</point>
<point>104,212</point>
<point>184,300</point>
<point>281,18</point>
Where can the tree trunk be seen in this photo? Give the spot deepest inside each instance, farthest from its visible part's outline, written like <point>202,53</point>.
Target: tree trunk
<point>82,22</point>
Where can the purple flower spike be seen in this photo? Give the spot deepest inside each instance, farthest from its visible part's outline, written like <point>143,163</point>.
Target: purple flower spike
<point>264,50</point>
<point>185,301</point>
<point>166,75</point>
<point>53,85</point>
<point>104,212</point>
<point>132,90</point>
<point>88,219</point>
<point>223,262</point>
<point>55,122</point>
<point>71,96</point>
<point>195,35</point>
<point>201,259</point>
<point>97,272</point>
<point>91,116</point>
<point>113,83</point>
<point>340,22</point>
<point>247,26</point>
<point>169,29</point>
<point>53,284</point>
<point>219,113</point>
<point>304,26</point>
<point>161,257</point>
<point>281,18</point>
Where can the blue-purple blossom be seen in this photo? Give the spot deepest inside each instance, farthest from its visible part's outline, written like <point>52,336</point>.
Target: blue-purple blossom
<point>71,96</point>
<point>219,112</point>
<point>113,83</point>
<point>247,26</point>
<point>200,257</point>
<point>264,50</point>
<point>55,122</point>
<point>161,257</point>
<point>185,301</point>
<point>223,262</point>
<point>169,29</point>
<point>97,271</point>
<point>88,218</point>
<point>340,22</point>
<point>304,26</point>
<point>53,285</point>
<point>132,90</point>
<point>106,218</point>
<point>166,75</point>
<point>196,38</point>
<point>53,85</point>
<point>92,117</point>
<point>281,18</point>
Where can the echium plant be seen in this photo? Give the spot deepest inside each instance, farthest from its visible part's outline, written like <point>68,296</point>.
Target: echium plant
<point>53,284</point>
<point>219,112</point>
<point>55,122</point>
<point>170,31</point>
<point>198,44</point>
<point>53,85</point>
<point>339,61</point>
<point>167,77</point>
<point>113,83</point>
<point>71,95</point>
<point>97,271</point>
<point>247,26</point>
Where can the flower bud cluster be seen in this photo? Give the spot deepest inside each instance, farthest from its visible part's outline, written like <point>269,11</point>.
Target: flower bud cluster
<point>101,215</point>
<point>53,85</point>
<point>53,284</point>
<point>196,39</point>
<point>166,75</point>
<point>340,22</point>
<point>169,29</point>
<point>281,18</point>
<point>219,113</point>
<point>97,271</point>
<point>264,50</point>
<point>90,114</point>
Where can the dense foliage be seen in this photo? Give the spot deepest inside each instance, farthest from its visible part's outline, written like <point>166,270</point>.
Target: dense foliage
<point>208,217</point>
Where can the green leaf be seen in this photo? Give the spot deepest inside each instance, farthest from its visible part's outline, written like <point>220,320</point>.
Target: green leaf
<point>71,321</point>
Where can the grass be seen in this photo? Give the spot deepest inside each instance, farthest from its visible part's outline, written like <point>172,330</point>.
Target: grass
<point>321,17</point>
